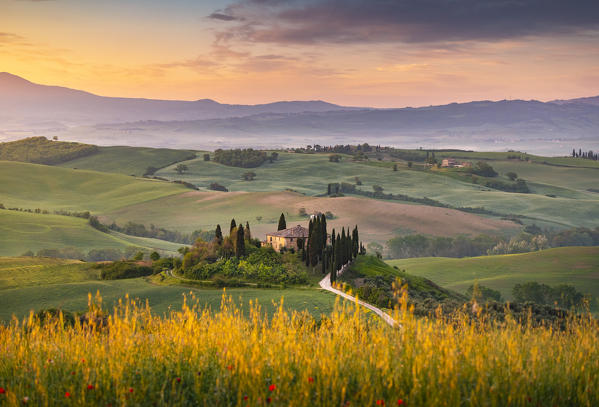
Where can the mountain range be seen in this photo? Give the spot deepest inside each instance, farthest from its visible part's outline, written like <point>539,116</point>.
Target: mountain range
<point>551,127</point>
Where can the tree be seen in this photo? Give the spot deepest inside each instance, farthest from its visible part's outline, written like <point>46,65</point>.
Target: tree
<point>377,189</point>
<point>410,164</point>
<point>240,246</point>
<point>206,157</point>
<point>483,169</point>
<point>282,222</point>
<point>247,232</point>
<point>138,256</point>
<point>154,256</point>
<point>248,176</point>
<point>233,225</point>
<point>394,167</point>
<point>335,158</point>
<point>218,235</point>
<point>512,175</point>
<point>181,168</point>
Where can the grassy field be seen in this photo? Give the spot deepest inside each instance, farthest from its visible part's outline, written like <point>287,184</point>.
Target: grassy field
<point>578,266</point>
<point>228,359</point>
<point>377,220</point>
<point>28,283</point>
<point>310,174</point>
<point>46,187</point>
<point>129,160</point>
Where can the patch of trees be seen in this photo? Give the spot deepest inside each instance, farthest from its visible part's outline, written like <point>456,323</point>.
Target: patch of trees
<point>124,269</point>
<point>417,245</point>
<point>589,155</point>
<point>482,169</point>
<point>106,254</point>
<point>138,229</point>
<point>519,186</point>
<point>335,158</point>
<point>40,150</point>
<point>246,158</point>
<point>480,293</point>
<point>563,295</point>
<point>83,214</point>
<point>215,186</point>
<point>229,260</point>
<point>531,239</point>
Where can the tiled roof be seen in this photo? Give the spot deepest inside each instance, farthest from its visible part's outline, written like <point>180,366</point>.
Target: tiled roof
<point>297,231</point>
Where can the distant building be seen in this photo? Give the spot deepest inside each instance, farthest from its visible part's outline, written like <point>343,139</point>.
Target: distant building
<point>286,238</point>
<point>453,163</point>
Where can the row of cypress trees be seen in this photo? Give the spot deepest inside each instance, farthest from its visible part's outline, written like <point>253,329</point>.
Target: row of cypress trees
<point>331,254</point>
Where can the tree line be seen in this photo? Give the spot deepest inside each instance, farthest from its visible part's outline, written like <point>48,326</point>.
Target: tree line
<point>244,158</point>
<point>40,150</point>
<point>589,155</point>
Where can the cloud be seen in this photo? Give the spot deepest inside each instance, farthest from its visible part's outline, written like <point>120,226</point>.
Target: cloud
<point>407,21</point>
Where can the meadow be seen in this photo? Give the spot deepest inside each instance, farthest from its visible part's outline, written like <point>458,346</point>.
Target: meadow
<point>577,266</point>
<point>310,174</point>
<point>129,160</point>
<point>31,283</point>
<point>197,357</point>
<point>24,231</point>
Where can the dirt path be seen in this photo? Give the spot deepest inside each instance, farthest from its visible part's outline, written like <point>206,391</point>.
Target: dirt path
<point>325,284</point>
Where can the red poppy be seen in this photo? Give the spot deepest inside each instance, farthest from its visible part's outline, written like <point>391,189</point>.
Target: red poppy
<point>82,360</point>
<point>67,394</point>
<point>230,367</point>
<point>90,387</point>
<point>2,391</point>
<point>268,400</point>
<point>72,373</point>
<point>245,398</point>
<point>272,387</point>
<point>311,379</point>
<point>178,380</point>
<point>130,389</point>
<point>380,402</point>
<point>400,402</point>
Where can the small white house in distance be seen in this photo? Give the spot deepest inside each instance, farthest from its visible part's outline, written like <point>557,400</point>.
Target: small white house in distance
<point>286,238</point>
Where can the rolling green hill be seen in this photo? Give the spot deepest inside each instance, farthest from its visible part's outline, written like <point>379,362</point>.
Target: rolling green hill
<point>310,174</point>
<point>578,266</point>
<point>38,283</point>
<point>129,160</point>
<point>39,186</point>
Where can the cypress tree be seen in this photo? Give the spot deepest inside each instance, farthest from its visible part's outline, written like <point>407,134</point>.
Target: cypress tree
<point>308,243</point>
<point>323,228</point>
<point>233,226</point>
<point>240,247</point>
<point>333,275</point>
<point>247,233</point>
<point>282,223</point>
<point>338,259</point>
<point>218,235</point>
<point>343,247</point>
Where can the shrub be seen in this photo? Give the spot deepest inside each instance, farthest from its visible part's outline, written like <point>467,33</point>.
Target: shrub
<point>123,269</point>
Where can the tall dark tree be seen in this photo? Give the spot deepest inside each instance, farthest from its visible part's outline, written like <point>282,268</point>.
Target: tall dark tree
<point>247,232</point>
<point>218,235</point>
<point>307,249</point>
<point>282,222</point>
<point>240,246</point>
<point>233,226</point>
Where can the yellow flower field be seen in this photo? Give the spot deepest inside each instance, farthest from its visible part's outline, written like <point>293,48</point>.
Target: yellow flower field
<point>198,357</point>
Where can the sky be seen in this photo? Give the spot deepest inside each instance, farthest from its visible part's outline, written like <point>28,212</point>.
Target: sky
<point>379,53</point>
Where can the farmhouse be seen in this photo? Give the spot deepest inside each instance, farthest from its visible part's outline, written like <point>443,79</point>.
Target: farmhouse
<point>286,238</point>
<point>453,163</point>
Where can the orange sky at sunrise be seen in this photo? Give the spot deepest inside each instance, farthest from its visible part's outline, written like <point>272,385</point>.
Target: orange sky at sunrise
<point>248,52</point>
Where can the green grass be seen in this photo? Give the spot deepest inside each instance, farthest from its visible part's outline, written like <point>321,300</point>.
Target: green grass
<point>310,174</point>
<point>129,160</point>
<point>578,266</point>
<point>20,272</point>
<point>21,231</point>
<point>46,187</point>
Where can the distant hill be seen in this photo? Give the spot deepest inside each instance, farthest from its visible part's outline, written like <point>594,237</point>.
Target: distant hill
<point>550,128</point>
<point>31,104</point>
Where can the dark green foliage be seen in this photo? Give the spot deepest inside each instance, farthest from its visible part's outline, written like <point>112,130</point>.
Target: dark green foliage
<point>282,223</point>
<point>335,158</point>
<point>423,246</point>
<point>511,175</point>
<point>123,269</point>
<point>154,256</point>
<point>246,158</point>
<point>215,186</point>
<point>248,176</point>
<point>138,229</point>
<point>394,167</point>
<point>40,150</point>
<point>519,186</point>
<point>181,168</point>
<point>206,157</point>
<point>218,235</point>
<point>483,294</point>
<point>483,169</point>
<point>232,226</point>
<point>96,224</point>
<point>240,246</point>
<point>563,295</point>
